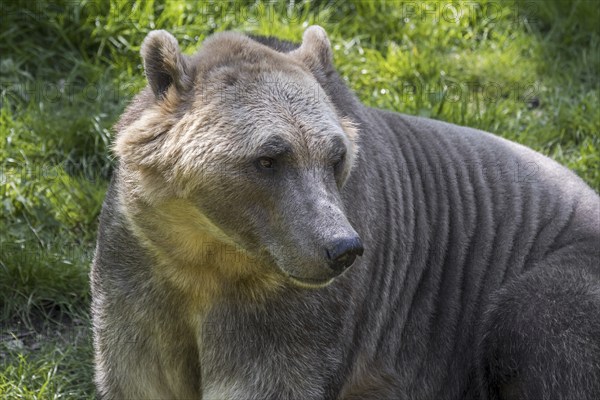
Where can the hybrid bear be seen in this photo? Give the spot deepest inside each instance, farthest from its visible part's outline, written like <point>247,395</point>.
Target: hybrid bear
<point>266,236</point>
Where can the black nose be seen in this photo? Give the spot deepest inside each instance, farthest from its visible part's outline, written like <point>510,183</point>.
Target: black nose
<point>342,253</point>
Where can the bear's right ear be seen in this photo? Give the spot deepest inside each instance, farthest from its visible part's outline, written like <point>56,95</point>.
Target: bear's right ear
<point>164,64</point>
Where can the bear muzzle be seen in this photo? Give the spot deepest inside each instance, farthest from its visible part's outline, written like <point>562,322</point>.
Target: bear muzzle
<point>342,253</point>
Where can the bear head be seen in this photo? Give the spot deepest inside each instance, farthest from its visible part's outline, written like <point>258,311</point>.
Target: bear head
<point>231,163</point>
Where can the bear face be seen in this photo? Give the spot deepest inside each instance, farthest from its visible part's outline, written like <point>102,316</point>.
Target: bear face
<point>232,162</point>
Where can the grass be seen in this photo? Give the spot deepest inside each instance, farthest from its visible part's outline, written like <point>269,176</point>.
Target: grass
<point>527,71</point>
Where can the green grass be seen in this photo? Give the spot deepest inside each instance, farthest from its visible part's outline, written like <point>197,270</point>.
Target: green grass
<point>527,71</point>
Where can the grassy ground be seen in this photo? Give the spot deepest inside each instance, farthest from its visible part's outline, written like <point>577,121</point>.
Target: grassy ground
<point>526,70</point>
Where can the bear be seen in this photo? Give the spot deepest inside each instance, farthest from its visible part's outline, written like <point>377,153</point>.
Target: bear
<point>267,236</point>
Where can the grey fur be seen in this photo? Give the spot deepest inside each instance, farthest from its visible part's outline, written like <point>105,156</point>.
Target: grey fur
<point>480,277</point>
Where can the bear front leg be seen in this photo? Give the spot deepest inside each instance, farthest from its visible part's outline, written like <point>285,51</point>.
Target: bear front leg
<point>541,337</point>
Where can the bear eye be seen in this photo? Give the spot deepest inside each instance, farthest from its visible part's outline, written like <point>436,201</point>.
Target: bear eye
<point>266,162</point>
<point>339,162</point>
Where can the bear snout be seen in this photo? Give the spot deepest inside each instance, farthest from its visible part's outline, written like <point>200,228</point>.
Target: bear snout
<point>342,253</point>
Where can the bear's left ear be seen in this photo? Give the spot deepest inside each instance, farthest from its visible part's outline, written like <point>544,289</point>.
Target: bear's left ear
<point>315,51</point>
<point>164,64</point>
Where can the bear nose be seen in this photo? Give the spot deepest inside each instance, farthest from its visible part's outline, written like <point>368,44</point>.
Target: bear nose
<point>342,253</point>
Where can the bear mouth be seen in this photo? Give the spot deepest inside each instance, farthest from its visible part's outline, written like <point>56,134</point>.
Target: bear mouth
<point>310,283</point>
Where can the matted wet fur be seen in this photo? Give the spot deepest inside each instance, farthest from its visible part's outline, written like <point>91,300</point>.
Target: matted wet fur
<point>250,178</point>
